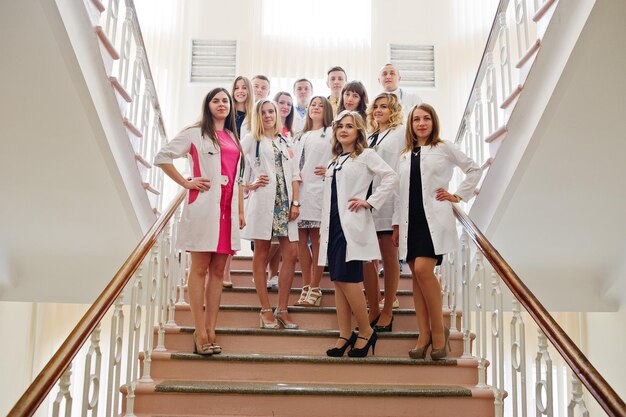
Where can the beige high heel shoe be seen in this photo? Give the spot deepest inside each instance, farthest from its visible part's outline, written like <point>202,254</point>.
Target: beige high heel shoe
<point>286,325</point>
<point>204,350</point>
<point>420,353</point>
<point>265,325</point>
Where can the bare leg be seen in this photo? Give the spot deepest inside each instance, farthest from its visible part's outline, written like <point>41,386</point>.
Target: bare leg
<point>428,306</point>
<point>315,246</point>
<point>356,300</point>
<point>213,293</point>
<point>274,260</point>
<point>259,261</point>
<point>372,289</point>
<point>227,282</point>
<point>289,252</point>
<point>304,255</point>
<point>344,316</point>
<point>200,262</point>
<point>392,277</point>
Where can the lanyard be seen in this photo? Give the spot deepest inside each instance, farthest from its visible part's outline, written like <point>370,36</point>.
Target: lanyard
<point>375,143</point>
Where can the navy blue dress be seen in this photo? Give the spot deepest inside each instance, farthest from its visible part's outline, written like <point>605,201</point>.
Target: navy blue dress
<point>339,269</point>
<point>419,242</point>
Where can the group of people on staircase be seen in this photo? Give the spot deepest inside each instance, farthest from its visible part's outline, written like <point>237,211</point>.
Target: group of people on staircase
<point>334,181</point>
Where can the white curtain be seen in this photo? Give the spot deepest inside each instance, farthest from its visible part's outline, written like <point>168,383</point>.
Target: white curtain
<point>302,39</point>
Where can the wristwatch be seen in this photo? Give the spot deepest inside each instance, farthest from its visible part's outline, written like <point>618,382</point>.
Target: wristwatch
<point>295,203</point>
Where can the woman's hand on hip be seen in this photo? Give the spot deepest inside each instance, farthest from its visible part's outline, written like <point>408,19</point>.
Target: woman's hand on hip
<point>443,195</point>
<point>355,204</point>
<point>199,183</point>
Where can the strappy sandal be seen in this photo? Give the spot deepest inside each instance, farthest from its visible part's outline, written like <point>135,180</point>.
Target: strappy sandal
<point>265,325</point>
<point>313,298</point>
<point>303,295</point>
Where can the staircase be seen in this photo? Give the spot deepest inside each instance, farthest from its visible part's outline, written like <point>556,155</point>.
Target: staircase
<point>286,373</point>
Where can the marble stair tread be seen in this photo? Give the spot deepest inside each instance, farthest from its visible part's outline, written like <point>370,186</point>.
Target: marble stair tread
<point>305,332</point>
<point>265,388</point>
<point>296,273</point>
<point>297,290</point>
<point>380,360</point>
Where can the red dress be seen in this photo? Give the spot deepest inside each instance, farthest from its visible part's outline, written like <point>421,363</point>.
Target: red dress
<point>230,157</point>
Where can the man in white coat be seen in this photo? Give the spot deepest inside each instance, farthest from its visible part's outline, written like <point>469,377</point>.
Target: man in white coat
<point>389,78</point>
<point>302,90</point>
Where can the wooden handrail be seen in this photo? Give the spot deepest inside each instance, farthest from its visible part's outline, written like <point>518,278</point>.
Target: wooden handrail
<point>49,375</point>
<point>608,399</point>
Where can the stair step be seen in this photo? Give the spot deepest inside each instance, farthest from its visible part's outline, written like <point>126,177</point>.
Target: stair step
<point>243,278</point>
<point>314,318</point>
<point>247,296</point>
<point>296,342</point>
<point>246,398</point>
<point>312,368</point>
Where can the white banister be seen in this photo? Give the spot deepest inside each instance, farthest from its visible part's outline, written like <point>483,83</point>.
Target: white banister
<point>576,402</point>
<point>115,358</point>
<point>64,396</point>
<point>518,361</point>
<point>543,378</point>
<point>92,376</point>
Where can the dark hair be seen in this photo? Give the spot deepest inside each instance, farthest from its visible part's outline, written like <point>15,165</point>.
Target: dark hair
<point>336,68</point>
<point>206,125</point>
<point>411,137</point>
<point>289,119</point>
<point>359,88</point>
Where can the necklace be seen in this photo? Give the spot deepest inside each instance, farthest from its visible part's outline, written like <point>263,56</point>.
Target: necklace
<point>417,152</point>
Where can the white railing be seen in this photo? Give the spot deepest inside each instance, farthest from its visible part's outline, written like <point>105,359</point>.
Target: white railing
<point>134,322</point>
<point>539,385</point>
<point>132,71</point>
<point>500,76</point>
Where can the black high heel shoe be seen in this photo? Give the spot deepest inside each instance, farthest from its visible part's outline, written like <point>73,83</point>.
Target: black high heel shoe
<point>338,352</point>
<point>362,352</point>
<point>385,329</point>
<point>372,323</point>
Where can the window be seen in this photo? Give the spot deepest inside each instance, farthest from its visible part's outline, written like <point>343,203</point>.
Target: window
<point>213,61</point>
<point>416,64</point>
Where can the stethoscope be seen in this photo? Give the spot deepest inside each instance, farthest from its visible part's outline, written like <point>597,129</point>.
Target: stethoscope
<point>337,165</point>
<point>257,154</point>
<point>379,141</point>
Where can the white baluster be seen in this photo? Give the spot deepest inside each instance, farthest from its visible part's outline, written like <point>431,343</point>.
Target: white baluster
<point>453,288</point>
<point>543,381</point>
<point>64,394</point>
<point>577,400</point>
<point>492,96</point>
<point>521,24</point>
<point>91,379</point>
<point>164,276</point>
<point>518,361</point>
<point>497,343</point>
<point>173,279</point>
<point>111,21</point>
<point>505,56</point>
<point>134,334</point>
<point>115,358</point>
<point>479,123</point>
<point>136,87</point>
<point>151,295</point>
<point>466,322</point>
<point>180,263</point>
<point>126,43</point>
<point>480,298</point>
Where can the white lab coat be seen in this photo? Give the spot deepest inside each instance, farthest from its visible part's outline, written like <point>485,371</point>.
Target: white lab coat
<point>298,121</point>
<point>199,228</point>
<point>390,145</point>
<point>353,180</point>
<point>437,166</point>
<point>407,100</point>
<point>317,148</point>
<point>260,207</point>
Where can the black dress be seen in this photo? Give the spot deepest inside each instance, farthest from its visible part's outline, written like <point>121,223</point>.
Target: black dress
<point>420,243</point>
<point>339,269</point>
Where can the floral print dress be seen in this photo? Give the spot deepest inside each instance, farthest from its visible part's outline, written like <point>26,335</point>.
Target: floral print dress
<point>281,203</point>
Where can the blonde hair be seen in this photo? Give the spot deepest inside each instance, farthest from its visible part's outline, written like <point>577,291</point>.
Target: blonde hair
<point>395,119</point>
<point>361,139</point>
<point>257,121</point>
<point>411,136</point>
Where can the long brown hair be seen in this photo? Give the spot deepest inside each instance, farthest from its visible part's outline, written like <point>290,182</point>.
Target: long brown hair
<point>289,119</point>
<point>327,114</point>
<point>361,139</point>
<point>249,103</point>
<point>411,136</point>
<point>355,87</point>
